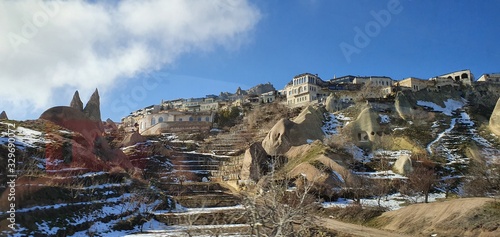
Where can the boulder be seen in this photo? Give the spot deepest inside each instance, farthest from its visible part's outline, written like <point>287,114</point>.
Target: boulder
<point>3,115</point>
<point>76,102</point>
<point>286,133</point>
<point>495,119</point>
<point>254,163</point>
<point>132,139</point>
<point>403,165</point>
<point>92,109</point>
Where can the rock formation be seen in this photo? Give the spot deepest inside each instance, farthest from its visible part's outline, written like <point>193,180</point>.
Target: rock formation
<point>286,133</point>
<point>3,115</point>
<point>403,165</point>
<point>366,127</point>
<point>495,119</point>
<point>333,103</point>
<point>403,106</point>
<point>132,139</point>
<point>253,163</point>
<point>76,102</point>
<point>331,175</point>
<point>87,148</point>
<point>111,125</point>
<point>92,109</point>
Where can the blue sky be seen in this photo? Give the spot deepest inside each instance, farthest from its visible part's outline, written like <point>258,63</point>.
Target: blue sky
<point>254,42</point>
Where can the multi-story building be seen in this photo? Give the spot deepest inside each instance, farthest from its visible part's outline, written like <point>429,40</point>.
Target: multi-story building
<point>165,119</point>
<point>373,81</point>
<point>413,83</point>
<point>464,77</point>
<point>304,88</point>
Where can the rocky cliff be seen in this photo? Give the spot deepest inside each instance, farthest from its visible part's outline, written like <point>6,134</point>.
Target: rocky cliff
<point>287,133</point>
<point>495,119</point>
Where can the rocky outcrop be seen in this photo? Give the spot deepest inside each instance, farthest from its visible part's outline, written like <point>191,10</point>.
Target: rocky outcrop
<point>333,103</point>
<point>286,133</point>
<point>132,139</point>
<point>403,106</point>
<point>254,163</point>
<point>3,115</point>
<point>261,89</point>
<point>317,167</point>
<point>366,127</point>
<point>92,109</point>
<point>403,165</point>
<point>76,102</point>
<point>495,119</point>
<point>110,125</point>
<point>86,149</point>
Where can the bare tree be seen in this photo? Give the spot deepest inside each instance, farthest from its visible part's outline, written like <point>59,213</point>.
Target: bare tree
<point>483,179</point>
<point>278,211</point>
<point>422,180</point>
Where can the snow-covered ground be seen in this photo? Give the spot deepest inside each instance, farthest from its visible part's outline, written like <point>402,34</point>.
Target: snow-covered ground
<point>391,202</point>
<point>24,137</point>
<point>333,122</point>
<point>384,118</point>
<point>450,105</point>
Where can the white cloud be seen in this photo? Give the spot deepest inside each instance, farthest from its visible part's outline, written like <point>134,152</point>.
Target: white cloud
<point>51,48</point>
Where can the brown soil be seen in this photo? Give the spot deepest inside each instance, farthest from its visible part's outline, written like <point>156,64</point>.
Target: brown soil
<point>459,217</point>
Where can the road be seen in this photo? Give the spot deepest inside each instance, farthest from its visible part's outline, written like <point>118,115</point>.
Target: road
<point>355,230</point>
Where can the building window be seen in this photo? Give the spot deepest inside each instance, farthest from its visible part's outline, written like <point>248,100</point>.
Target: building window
<point>160,120</point>
<point>153,121</point>
<point>207,119</point>
<point>199,119</point>
<point>190,119</point>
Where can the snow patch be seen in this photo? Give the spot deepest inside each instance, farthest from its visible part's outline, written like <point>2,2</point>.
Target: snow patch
<point>384,118</point>
<point>450,105</point>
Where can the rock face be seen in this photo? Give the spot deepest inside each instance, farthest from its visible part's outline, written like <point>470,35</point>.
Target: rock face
<point>253,163</point>
<point>403,165</point>
<point>333,103</point>
<point>403,106</point>
<point>495,119</point>
<point>260,89</point>
<point>3,115</point>
<point>286,133</point>
<point>366,127</point>
<point>92,109</point>
<point>111,125</point>
<point>76,102</point>
<point>330,176</point>
<point>87,148</point>
<point>132,139</point>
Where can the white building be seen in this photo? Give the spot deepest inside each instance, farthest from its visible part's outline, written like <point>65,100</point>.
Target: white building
<point>304,88</point>
<point>374,81</point>
<point>464,77</point>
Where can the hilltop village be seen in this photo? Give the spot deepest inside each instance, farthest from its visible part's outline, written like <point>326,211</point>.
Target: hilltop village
<point>317,158</point>
<point>198,114</point>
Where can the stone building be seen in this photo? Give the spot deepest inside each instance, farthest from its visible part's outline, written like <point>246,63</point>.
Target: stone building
<point>490,78</point>
<point>413,83</point>
<point>464,77</point>
<point>303,89</point>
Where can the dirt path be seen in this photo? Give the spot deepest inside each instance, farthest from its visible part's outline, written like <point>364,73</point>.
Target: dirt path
<point>355,230</point>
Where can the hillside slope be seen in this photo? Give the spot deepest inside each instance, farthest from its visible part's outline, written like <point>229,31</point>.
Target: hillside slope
<point>460,217</point>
